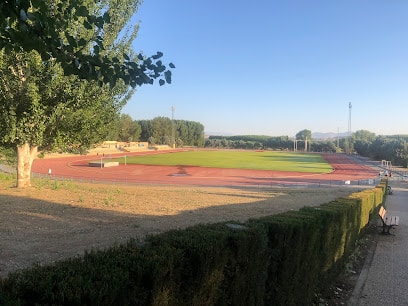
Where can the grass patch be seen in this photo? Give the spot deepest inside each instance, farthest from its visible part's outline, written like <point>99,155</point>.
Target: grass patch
<point>266,160</point>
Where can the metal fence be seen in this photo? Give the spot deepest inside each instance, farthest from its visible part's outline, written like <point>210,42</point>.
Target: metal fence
<point>271,183</point>
<point>8,169</point>
<point>293,183</point>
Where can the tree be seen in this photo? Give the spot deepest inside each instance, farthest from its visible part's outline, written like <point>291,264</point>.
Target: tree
<point>129,130</point>
<point>401,157</point>
<point>323,146</point>
<point>114,126</point>
<point>44,107</point>
<point>44,26</point>
<point>147,130</point>
<point>161,128</point>
<point>362,141</point>
<point>305,135</point>
<point>152,141</point>
<point>189,133</point>
<point>179,142</point>
<point>48,111</point>
<point>363,135</point>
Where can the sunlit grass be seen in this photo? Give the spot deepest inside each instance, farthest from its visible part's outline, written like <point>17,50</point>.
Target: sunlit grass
<point>263,160</point>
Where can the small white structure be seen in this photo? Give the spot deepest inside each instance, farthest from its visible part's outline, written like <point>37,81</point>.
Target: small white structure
<point>102,164</point>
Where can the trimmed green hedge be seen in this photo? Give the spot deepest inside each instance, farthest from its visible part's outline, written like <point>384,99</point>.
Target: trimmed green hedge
<point>276,260</point>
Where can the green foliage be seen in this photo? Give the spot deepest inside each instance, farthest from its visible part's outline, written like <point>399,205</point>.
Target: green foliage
<point>52,27</point>
<point>363,135</point>
<point>159,130</point>
<point>257,142</point>
<point>304,134</point>
<point>324,146</point>
<point>129,130</point>
<point>250,142</point>
<point>8,156</point>
<point>56,185</point>
<point>50,110</point>
<point>7,177</point>
<point>391,148</point>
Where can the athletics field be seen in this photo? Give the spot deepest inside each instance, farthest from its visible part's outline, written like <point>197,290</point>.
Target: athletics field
<point>227,168</point>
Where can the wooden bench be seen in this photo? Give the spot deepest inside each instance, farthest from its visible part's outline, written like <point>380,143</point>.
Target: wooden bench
<point>388,222</point>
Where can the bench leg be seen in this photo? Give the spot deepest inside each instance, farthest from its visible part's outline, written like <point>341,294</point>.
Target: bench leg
<point>386,229</point>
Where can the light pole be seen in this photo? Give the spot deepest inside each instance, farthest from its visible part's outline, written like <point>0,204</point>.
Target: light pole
<point>349,131</point>
<point>173,132</point>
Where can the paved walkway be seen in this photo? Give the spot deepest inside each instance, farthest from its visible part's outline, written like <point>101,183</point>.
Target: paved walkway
<point>384,280</point>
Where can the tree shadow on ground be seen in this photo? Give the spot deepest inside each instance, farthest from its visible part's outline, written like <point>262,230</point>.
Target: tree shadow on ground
<point>39,231</point>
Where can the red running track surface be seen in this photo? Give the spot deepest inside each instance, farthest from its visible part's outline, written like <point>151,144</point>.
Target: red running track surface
<point>345,168</point>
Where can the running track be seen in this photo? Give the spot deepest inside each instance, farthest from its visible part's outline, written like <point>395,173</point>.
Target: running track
<point>344,169</point>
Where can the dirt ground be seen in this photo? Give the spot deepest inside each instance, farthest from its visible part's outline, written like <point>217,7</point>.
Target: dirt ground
<point>55,220</point>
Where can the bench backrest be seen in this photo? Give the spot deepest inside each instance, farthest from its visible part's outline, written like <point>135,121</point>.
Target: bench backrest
<point>382,212</point>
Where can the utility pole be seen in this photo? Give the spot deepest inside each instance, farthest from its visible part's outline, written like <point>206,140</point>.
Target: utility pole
<point>349,121</point>
<point>349,130</point>
<point>337,137</point>
<point>173,131</point>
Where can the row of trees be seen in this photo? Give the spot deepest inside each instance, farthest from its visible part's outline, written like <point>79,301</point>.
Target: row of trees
<point>249,142</point>
<point>159,131</point>
<point>162,130</point>
<point>272,143</point>
<point>391,148</point>
<point>364,143</point>
<point>260,141</point>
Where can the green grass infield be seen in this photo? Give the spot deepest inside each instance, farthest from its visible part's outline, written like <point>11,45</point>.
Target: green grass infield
<point>262,160</point>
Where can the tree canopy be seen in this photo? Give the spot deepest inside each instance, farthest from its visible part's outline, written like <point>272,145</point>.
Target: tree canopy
<point>44,26</point>
<point>129,130</point>
<point>159,131</point>
<point>304,135</point>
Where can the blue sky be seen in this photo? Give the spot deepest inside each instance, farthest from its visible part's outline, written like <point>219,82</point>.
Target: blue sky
<point>267,67</point>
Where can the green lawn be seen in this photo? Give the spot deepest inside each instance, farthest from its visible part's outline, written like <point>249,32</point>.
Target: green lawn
<point>266,160</point>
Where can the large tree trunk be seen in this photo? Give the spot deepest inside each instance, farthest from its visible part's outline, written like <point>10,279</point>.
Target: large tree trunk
<point>25,158</point>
